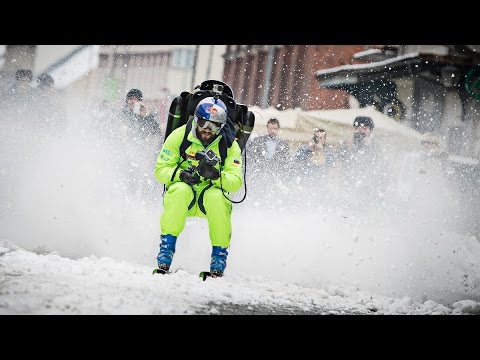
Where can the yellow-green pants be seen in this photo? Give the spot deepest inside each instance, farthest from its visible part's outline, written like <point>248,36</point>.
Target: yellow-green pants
<point>210,204</point>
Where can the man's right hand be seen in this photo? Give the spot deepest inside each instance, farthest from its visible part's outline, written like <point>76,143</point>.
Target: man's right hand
<point>189,177</point>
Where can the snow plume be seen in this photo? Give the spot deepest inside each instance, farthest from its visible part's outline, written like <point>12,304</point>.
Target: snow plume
<point>83,188</point>
<point>399,237</point>
<point>74,187</point>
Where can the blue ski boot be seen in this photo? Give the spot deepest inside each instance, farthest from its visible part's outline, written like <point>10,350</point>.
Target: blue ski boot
<point>219,261</point>
<point>167,250</point>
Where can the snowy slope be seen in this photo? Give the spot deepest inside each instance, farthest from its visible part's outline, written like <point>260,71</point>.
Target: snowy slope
<point>50,284</point>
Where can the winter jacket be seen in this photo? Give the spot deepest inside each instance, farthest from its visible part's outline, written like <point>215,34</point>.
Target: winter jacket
<point>257,152</point>
<point>169,157</point>
<point>142,126</point>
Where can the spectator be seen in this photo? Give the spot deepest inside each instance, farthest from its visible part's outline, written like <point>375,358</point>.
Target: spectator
<point>269,152</point>
<point>23,81</point>
<point>362,165</point>
<point>424,183</point>
<point>362,145</point>
<point>47,103</point>
<point>315,158</point>
<point>16,100</point>
<point>140,137</point>
<point>20,91</point>
<point>138,117</point>
<point>45,83</point>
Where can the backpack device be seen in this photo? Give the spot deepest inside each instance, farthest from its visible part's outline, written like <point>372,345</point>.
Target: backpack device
<point>182,111</point>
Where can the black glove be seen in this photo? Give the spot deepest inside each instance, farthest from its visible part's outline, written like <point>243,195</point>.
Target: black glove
<point>189,177</point>
<point>208,171</point>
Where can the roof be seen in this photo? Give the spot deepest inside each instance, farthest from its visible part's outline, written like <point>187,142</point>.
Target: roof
<point>356,73</point>
<point>426,65</point>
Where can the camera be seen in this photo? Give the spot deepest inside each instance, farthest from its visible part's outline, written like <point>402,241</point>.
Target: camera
<point>206,158</point>
<point>206,162</point>
<point>217,88</point>
<point>136,108</point>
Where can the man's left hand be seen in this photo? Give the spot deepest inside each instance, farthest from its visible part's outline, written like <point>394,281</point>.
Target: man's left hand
<point>209,172</point>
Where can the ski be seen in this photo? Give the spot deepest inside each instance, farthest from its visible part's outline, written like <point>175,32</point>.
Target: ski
<point>203,274</point>
<point>165,272</point>
<point>206,274</point>
<point>160,271</point>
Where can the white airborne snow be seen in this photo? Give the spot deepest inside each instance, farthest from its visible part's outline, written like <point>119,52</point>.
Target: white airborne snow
<point>77,237</point>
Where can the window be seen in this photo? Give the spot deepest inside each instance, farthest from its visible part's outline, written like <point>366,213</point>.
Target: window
<point>182,58</point>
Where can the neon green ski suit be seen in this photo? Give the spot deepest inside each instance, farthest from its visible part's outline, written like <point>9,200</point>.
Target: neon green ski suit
<point>204,199</point>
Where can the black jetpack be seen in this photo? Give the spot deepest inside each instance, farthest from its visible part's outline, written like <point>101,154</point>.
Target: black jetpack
<point>183,107</point>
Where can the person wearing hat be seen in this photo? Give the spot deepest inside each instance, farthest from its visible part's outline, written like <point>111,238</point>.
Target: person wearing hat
<point>361,141</point>
<point>133,97</point>
<point>138,118</point>
<point>197,187</point>
<point>139,132</point>
<point>362,136</point>
<point>362,165</point>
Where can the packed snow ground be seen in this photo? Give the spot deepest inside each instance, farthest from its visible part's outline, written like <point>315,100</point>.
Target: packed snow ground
<point>50,284</point>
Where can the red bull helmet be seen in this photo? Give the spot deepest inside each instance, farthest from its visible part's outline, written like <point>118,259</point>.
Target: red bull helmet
<point>211,109</point>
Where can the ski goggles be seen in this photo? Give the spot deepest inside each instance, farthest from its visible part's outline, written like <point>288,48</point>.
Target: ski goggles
<point>207,124</point>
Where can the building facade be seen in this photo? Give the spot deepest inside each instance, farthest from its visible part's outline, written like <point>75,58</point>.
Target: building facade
<point>160,71</point>
<point>103,74</point>
<point>283,76</point>
<point>431,88</point>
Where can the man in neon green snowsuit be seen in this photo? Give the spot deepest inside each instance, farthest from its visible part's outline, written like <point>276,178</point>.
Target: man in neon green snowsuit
<point>199,192</point>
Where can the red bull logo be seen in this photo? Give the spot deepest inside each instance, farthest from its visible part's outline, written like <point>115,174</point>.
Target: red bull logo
<point>211,109</point>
